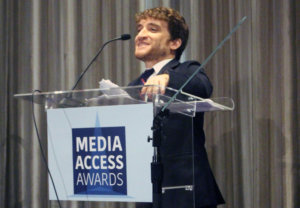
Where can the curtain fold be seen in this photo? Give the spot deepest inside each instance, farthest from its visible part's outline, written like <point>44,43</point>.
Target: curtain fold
<point>254,150</point>
<point>4,100</point>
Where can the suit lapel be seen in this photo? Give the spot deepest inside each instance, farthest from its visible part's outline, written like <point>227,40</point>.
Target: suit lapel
<point>169,66</point>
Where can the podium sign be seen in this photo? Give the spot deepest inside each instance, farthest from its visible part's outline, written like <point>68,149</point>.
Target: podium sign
<point>101,153</point>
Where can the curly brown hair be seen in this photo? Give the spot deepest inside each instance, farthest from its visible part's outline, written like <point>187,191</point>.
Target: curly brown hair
<point>176,24</point>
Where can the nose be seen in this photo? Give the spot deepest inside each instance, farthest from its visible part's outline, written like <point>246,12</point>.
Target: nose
<point>141,34</point>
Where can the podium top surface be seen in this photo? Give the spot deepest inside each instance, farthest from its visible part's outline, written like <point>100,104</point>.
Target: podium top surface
<point>127,95</point>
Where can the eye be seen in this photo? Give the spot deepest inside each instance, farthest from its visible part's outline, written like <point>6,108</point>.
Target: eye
<point>138,29</point>
<point>153,29</point>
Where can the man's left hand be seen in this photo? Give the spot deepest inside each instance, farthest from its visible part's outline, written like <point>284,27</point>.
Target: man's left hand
<point>162,80</point>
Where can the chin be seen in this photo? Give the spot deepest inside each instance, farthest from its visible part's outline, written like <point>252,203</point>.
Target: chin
<point>139,56</point>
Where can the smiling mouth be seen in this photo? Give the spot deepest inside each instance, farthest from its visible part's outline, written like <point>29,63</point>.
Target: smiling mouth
<point>142,44</point>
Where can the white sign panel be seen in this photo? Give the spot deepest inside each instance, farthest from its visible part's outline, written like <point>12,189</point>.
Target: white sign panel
<point>101,153</point>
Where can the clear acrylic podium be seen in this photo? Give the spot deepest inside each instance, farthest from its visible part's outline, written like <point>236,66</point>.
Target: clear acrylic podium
<point>127,100</point>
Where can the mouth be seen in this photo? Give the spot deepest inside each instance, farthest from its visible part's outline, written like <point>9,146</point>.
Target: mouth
<point>141,44</point>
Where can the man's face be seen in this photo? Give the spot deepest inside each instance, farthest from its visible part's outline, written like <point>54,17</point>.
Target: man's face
<point>152,42</point>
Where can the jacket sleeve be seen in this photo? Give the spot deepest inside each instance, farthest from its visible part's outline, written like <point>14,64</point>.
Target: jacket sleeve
<point>199,86</point>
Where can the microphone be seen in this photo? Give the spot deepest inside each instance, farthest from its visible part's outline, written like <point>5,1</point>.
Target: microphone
<point>125,37</point>
<point>122,37</point>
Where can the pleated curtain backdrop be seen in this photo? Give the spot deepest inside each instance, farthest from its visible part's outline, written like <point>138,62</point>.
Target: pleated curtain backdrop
<point>254,150</point>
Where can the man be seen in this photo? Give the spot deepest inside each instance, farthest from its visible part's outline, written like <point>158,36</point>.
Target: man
<point>162,35</point>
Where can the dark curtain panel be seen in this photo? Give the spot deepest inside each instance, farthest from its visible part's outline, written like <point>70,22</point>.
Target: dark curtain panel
<point>254,150</point>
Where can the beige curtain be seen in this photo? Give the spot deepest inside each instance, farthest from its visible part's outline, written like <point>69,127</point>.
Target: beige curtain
<point>254,150</point>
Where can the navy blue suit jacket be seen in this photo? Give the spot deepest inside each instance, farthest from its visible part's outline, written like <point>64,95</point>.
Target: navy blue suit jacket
<point>176,148</point>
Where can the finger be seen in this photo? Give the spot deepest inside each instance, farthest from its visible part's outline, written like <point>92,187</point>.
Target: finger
<point>162,85</point>
<point>144,90</point>
<point>149,92</point>
<point>142,96</point>
<point>155,89</point>
<point>162,89</point>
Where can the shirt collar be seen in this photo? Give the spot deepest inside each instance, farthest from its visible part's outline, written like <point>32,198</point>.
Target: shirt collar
<point>158,66</point>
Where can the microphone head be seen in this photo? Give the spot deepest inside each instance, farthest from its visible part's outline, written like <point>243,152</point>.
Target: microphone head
<point>125,37</point>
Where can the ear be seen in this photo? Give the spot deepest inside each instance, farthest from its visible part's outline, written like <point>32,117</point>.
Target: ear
<point>175,44</point>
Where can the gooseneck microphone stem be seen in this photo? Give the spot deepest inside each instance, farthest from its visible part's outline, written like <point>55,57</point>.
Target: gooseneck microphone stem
<point>123,37</point>
<point>67,101</point>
